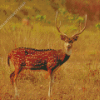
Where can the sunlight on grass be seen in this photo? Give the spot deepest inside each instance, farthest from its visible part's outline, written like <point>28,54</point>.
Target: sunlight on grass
<point>79,76</point>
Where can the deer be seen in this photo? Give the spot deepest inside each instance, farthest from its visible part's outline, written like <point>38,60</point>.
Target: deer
<point>42,59</point>
<point>26,22</point>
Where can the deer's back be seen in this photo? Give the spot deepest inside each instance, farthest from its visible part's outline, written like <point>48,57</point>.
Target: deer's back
<point>34,58</point>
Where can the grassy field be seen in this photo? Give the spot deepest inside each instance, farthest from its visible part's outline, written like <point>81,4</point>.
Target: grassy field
<point>77,79</point>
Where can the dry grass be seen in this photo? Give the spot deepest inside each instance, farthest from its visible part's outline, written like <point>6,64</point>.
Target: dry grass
<point>77,79</point>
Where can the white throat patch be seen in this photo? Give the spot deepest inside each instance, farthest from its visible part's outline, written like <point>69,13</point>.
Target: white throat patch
<point>68,52</point>
<point>68,48</point>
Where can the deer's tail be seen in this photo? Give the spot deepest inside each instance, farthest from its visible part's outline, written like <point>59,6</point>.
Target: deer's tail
<point>9,57</point>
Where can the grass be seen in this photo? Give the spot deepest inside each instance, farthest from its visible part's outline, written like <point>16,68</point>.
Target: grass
<point>77,79</point>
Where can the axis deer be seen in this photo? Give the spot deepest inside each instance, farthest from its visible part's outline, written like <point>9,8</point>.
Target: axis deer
<point>48,60</point>
<point>26,22</point>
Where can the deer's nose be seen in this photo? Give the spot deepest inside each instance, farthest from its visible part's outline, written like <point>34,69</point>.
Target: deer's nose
<point>68,45</point>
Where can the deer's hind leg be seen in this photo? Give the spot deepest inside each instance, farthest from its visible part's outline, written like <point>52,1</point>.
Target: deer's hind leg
<point>13,77</point>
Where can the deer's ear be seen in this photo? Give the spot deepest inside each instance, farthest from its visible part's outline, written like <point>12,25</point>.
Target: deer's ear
<point>63,37</point>
<point>75,38</point>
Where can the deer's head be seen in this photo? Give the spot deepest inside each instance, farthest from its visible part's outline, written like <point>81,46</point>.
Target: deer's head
<point>69,41</point>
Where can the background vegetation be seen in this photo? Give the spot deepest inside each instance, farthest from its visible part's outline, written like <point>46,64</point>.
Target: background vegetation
<point>78,78</point>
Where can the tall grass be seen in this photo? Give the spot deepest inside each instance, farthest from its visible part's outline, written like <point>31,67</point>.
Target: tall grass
<point>77,79</point>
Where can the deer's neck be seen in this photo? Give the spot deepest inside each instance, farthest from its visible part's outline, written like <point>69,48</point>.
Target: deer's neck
<point>68,52</point>
<point>63,56</point>
<point>67,48</point>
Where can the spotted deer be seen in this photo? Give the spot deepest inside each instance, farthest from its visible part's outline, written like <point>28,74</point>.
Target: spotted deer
<point>26,22</point>
<point>46,59</point>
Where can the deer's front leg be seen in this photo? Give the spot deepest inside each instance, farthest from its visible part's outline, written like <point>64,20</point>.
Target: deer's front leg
<point>50,84</point>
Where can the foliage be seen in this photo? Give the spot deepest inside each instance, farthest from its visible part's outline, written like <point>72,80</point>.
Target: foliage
<point>97,25</point>
<point>41,17</point>
<point>91,7</point>
<point>70,17</point>
<point>73,19</point>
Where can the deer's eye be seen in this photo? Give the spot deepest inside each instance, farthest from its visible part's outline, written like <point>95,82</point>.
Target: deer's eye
<point>71,41</point>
